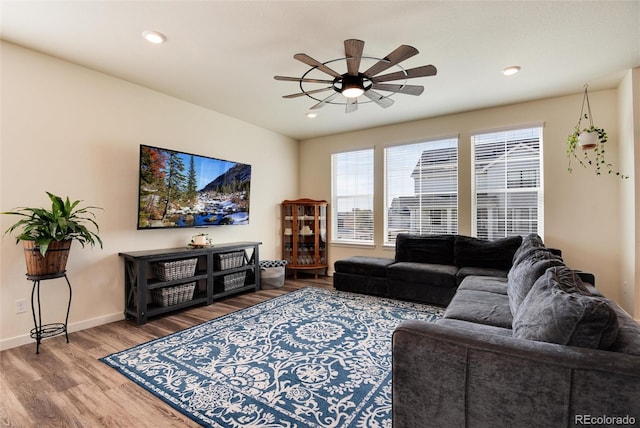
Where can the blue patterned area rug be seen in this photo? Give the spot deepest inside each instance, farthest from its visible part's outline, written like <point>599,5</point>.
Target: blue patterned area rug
<point>310,358</point>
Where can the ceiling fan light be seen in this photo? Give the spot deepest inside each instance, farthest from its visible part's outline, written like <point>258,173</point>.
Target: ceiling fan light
<point>353,91</point>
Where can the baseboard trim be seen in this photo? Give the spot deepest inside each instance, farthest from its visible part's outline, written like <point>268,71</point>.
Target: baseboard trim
<point>14,342</point>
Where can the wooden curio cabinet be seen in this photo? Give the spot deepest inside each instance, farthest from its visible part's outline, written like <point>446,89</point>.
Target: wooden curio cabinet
<point>304,235</point>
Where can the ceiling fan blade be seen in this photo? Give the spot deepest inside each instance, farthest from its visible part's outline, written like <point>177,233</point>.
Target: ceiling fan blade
<point>400,54</point>
<point>378,99</point>
<point>299,79</point>
<point>314,63</point>
<point>424,71</point>
<point>353,50</point>
<point>326,100</point>
<point>352,105</point>
<point>300,94</point>
<point>401,89</point>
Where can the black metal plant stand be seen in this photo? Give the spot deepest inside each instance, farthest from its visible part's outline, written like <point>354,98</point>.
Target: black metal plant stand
<point>41,331</point>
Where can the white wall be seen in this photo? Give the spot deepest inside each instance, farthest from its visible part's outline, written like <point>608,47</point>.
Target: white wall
<point>629,124</point>
<point>582,210</point>
<point>91,125</point>
<point>73,131</point>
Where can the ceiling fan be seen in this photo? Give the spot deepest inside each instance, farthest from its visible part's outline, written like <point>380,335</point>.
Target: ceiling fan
<point>353,84</point>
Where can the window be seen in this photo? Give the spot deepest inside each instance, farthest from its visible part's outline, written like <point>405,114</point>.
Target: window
<point>421,188</point>
<point>352,197</point>
<point>507,183</point>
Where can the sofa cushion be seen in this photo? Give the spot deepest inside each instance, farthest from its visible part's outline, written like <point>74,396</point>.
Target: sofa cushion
<point>628,338</point>
<point>485,283</point>
<point>481,253</point>
<point>434,249</point>
<point>464,272</point>
<point>362,265</point>
<point>559,309</point>
<point>481,307</point>
<point>420,292</point>
<point>526,272</point>
<point>475,328</point>
<point>360,284</point>
<point>431,275</point>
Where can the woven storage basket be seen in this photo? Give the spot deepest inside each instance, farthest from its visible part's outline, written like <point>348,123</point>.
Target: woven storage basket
<point>178,269</point>
<point>232,280</point>
<point>168,296</point>
<point>229,260</point>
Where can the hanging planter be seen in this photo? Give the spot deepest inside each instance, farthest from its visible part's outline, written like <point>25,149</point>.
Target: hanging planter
<point>588,140</point>
<point>583,140</point>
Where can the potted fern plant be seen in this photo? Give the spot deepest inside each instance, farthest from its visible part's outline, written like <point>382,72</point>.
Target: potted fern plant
<point>47,234</point>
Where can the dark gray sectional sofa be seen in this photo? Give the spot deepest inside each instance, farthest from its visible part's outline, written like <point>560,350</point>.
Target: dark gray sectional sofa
<point>537,347</point>
<point>426,268</point>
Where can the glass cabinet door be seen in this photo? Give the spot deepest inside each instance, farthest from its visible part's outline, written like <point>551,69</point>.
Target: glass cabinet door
<point>304,235</point>
<point>322,233</point>
<point>287,233</point>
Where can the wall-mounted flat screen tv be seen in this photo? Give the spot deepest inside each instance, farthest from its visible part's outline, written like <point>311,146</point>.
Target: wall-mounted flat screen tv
<point>178,189</point>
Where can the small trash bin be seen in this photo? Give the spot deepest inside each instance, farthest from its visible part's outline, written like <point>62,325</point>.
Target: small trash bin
<point>272,273</point>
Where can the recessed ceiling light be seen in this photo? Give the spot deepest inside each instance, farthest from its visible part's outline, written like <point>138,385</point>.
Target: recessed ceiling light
<point>312,115</point>
<point>154,37</point>
<point>510,71</point>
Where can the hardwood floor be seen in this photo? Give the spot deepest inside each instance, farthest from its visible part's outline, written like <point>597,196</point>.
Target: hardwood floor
<point>66,386</point>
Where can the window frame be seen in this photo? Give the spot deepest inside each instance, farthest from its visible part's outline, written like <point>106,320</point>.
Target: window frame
<point>506,189</point>
<point>453,142</point>
<point>336,217</point>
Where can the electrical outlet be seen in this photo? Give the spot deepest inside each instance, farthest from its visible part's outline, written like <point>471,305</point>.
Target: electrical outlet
<point>21,306</point>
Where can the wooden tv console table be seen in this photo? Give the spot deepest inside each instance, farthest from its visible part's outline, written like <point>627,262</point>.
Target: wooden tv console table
<point>154,284</point>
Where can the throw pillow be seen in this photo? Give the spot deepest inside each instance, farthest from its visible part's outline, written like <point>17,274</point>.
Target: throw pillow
<point>526,272</point>
<point>529,243</point>
<point>474,252</point>
<point>559,309</point>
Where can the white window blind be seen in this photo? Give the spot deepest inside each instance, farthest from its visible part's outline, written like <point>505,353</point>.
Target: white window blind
<point>352,197</point>
<point>507,183</point>
<point>421,188</point>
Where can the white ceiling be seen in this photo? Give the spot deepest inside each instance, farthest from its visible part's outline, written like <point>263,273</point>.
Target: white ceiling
<point>223,55</point>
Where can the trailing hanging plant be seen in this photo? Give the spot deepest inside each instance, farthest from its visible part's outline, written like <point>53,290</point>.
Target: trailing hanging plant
<point>586,139</point>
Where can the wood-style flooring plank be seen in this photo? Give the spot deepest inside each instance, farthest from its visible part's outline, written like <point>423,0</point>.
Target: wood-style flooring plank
<point>12,413</point>
<point>67,386</point>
